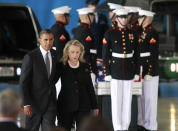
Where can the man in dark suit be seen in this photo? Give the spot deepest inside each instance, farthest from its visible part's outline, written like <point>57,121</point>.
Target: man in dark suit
<point>10,107</point>
<point>37,81</point>
<point>98,27</point>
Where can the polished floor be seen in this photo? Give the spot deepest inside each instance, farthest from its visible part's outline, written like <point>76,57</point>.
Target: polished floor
<point>167,115</point>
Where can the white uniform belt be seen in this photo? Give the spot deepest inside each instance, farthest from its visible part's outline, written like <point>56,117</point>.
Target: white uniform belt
<point>93,51</point>
<point>145,54</point>
<point>130,55</point>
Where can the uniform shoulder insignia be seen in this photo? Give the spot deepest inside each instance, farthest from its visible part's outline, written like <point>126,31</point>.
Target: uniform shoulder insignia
<point>152,41</point>
<point>104,41</point>
<point>88,39</point>
<point>62,38</point>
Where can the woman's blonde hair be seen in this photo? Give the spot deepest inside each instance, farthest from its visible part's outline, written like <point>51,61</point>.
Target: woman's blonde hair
<point>65,56</point>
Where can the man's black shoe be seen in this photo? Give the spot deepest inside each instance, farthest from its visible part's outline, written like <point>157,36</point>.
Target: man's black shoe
<point>140,128</point>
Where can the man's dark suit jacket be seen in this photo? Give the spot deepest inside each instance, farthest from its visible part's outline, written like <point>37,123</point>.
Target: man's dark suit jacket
<point>37,89</point>
<point>10,126</point>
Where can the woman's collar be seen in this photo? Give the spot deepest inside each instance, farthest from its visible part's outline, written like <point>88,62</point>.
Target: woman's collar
<point>72,65</point>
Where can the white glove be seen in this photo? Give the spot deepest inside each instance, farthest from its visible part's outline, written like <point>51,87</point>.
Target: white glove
<point>136,78</point>
<point>93,78</point>
<point>107,78</point>
<point>147,77</point>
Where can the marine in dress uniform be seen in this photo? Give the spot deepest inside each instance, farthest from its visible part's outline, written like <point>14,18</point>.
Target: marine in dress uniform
<point>134,26</point>
<point>61,36</point>
<point>133,17</point>
<point>149,44</point>
<point>83,34</point>
<point>98,27</point>
<point>119,50</point>
<point>104,101</point>
<point>112,15</point>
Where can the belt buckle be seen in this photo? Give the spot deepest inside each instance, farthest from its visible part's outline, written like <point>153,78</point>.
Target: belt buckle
<point>125,55</point>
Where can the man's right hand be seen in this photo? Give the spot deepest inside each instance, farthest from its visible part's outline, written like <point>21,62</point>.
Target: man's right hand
<point>28,110</point>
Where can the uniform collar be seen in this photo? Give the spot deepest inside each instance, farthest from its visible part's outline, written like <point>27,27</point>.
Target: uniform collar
<point>147,27</point>
<point>60,24</point>
<point>133,25</point>
<point>84,25</point>
<point>121,29</point>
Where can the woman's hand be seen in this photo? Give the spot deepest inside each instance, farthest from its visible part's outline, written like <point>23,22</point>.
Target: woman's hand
<point>28,111</point>
<point>96,112</point>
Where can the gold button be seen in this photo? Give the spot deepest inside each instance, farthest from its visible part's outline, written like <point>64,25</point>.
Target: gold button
<point>124,52</point>
<point>115,41</point>
<point>124,48</point>
<point>123,43</point>
<point>122,32</point>
<point>113,61</point>
<point>123,39</point>
<point>122,36</point>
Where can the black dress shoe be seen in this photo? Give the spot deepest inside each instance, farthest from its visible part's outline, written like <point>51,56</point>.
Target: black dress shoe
<point>140,128</point>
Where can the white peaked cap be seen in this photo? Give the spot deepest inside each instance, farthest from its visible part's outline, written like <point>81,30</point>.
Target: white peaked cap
<point>120,12</point>
<point>85,11</point>
<point>146,13</point>
<point>61,10</point>
<point>132,9</point>
<point>114,6</point>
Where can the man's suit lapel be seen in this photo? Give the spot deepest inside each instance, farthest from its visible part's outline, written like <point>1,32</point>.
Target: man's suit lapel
<point>53,64</point>
<point>41,62</point>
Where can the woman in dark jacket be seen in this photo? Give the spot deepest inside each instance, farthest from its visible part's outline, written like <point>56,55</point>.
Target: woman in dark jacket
<point>77,97</point>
